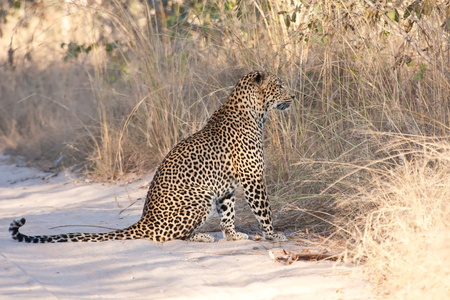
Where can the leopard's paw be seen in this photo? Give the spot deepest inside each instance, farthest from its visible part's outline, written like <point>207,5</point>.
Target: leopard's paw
<point>201,237</point>
<point>276,237</point>
<point>237,236</point>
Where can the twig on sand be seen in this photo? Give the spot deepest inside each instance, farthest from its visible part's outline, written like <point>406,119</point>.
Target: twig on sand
<point>288,258</point>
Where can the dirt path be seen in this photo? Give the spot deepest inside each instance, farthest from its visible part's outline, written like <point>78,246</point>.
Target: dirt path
<point>140,269</point>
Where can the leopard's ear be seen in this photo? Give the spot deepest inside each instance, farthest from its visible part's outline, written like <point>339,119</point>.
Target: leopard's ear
<point>260,77</point>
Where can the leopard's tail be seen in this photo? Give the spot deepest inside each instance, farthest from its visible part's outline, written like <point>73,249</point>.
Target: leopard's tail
<point>132,232</point>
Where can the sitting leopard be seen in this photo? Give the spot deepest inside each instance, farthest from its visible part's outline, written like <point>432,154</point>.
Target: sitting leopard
<point>202,170</point>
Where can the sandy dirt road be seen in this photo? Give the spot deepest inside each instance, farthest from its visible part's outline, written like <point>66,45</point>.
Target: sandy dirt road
<point>140,269</point>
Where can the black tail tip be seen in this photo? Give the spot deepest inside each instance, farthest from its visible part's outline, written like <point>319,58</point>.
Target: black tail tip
<point>16,224</point>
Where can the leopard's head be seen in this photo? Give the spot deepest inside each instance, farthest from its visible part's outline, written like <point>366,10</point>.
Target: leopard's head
<point>259,92</point>
<point>273,92</point>
<point>262,91</point>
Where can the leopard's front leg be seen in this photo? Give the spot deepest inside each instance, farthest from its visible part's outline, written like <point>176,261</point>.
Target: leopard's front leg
<point>256,197</point>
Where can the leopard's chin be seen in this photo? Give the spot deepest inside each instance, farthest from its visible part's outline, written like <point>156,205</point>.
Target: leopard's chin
<point>283,106</point>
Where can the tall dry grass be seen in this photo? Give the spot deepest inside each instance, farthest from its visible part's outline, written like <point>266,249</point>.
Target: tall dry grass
<point>396,217</point>
<point>361,155</point>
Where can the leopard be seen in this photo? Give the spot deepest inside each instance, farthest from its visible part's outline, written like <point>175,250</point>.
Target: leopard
<point>203,172</point>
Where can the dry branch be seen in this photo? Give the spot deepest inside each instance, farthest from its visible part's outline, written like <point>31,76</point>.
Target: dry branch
<point>407,38</point>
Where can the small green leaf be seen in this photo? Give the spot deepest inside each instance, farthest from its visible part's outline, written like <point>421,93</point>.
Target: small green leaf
<point>408,11</point>
<point>414,7</point>
<point>418,76</point>
<point>427,8</point>
<point>287,21</point>
<point>393,15</point>
<point>294,17</point>
<point>110,47</point>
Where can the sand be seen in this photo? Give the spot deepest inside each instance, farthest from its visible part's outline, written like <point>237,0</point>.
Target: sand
<point>141,269</point>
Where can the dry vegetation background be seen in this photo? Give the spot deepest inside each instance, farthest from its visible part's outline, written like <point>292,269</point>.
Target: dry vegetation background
<point>108,87</point>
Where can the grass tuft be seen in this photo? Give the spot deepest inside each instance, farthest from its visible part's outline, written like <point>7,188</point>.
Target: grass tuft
<point>396,219</point>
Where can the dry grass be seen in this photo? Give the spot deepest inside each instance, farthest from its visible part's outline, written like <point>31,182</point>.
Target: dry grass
<point>396,218</point>
<point>362,154</point>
